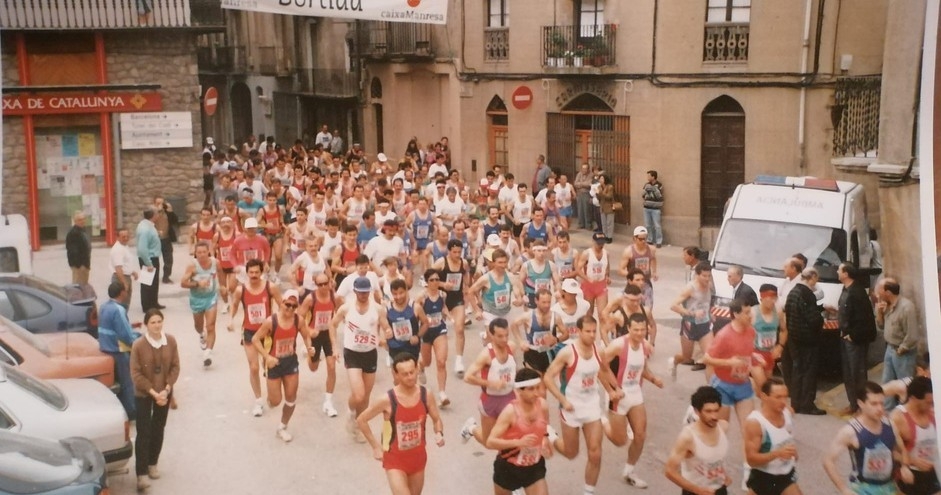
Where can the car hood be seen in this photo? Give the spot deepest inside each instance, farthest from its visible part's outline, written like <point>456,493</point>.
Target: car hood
<point>71,344</point>
<point>93,412</point>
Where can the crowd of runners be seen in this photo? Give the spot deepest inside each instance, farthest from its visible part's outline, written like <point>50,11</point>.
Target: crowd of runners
<point>370,261</point>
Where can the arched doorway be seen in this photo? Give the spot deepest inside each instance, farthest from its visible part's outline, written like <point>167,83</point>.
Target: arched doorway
<point>587,131</point>
<point>723,157</point>
<point>241,111</point>
<point>498,133</point>
<point>375,93</point>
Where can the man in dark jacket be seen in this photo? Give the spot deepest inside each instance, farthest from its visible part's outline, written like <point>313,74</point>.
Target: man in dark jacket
<point>78,249</point>
<point>857,331</point>
<point>804,332</point>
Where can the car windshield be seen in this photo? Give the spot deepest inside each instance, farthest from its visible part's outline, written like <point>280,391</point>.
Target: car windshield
<point>37,342</point>
<point>41,389</point>
<point>761,247</point>
<point>31,465</point>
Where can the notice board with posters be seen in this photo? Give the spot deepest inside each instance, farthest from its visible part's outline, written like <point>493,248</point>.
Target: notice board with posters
<point>70,177</point>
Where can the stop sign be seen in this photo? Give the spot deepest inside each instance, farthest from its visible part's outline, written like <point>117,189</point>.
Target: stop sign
<point>210,101</point>
<point>522,97</point>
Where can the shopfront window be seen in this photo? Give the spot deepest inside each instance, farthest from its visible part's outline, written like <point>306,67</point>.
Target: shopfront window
<point>70,176</point>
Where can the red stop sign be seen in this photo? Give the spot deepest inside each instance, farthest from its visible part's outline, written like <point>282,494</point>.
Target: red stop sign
<point>210,101</point>
<point>522,97</point>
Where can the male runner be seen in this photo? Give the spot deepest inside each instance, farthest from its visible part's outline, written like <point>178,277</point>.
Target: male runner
<point>404,326</point>
<point>641,256</point>
<point>271,216</point>
<point>538,273</point>
<point>694,305</point>
<point>318,307</point>
<point>697,460</point>
<point>495,290</point>
<point>770,448</point>
<point>200,278</point>
<point>536,332</point>
<point>453,268</point>
<point>915,423</point>
<point>594,270</point>
<point>627,356</point>
<point>281,359</point>
<point>578,396</point>
<point>224,240</point>
<point>256,297</point>
<point>364,324</point>
<point>431,312</point>
<point>493,371</point>
<point>404,409</point>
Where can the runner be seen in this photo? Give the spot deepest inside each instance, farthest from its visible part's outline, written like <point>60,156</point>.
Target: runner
<point>200,278</point>
<point>281,359</point>
<point>256,297</point>
<point>538,273</point>
<point>308,266</point>
<point>641,256</point>
<point>493,372</point>
<point>404,409</point>
<point>697,460</point>
<point>344,255</point>
<point>570,308</point>
<point>872,443</point>
<point>318,212</point>
<point>617,315</point>
<point>404,326</point>
<point>579,403</point>
<point>595,272</point>
<point>224,240</point>
<point>432,313</point>
<point>364,324</point>
<point>298,232</point>
<point>250,246</point>
<point>456,281</point>
<point>564,256</point>
<point>346,290</point>
<point>627,356</point>
<point>519,435</point>
<point>271,217</point>
<point>536,332</point>
<point>538,229</point>
<point>769,443</point>
<point>770,334</point>
<point>203,230</point>
<point>421,223</point>
<point>915,423</point>
<point>495,290</point>
<point>354,207</point>
<point>694,305</point>
<point>439,248</point>
<point>318,307</point>
<point>730,355</point>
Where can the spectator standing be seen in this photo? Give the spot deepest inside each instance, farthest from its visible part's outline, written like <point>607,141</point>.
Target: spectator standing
<point>123,265</point>
<point>336,143</point>
<point>148,255</point>
<point>155,367</point>
<point>606,206</point>
<point>164,223</point>
<point>78,249</point>
<point>857,331</point>
<point>583,196</point>
<point>804,330</point>
<point>541,176</point>
<point>653,206</point>
<point>896,316</point>
<point>323,138</point>
<point>115,338</point>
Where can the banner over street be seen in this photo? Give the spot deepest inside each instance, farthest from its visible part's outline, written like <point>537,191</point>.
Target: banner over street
<point>423,11</point>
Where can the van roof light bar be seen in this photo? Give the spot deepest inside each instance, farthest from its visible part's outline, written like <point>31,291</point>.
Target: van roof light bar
<point>802,182</point>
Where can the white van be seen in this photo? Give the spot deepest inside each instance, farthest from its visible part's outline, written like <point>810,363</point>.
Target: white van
<point>773,218</point>
<point>16,255</point>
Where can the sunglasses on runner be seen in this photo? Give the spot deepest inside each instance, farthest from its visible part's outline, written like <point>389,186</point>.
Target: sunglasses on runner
<point>322,284</point>
<point>436,279</point>
<point>290,306</point>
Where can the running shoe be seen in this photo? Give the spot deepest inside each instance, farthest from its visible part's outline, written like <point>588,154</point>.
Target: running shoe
<point>152,472</point>
<point>273,278</point>
<point>359,437</point>
<point>225,309</point>
<point>388,360</point>
<point>202,341</point>
<point>422,379</point>
<point>258,410</point>
<point>671,363</point>
<point>351,423</point>
<point>283,434</point>
<point>459,367</point>
<point>633,480</point>
<point>207,358</point>
<point>551,434</point>
<point>443,400</point>
<point>467,431</point>
<point>328,409</point>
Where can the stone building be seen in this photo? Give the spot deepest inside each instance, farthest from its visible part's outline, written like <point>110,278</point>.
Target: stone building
<point>87,97</point>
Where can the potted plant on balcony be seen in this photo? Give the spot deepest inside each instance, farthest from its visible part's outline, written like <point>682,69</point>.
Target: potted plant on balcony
<point>579,58</point>
<point>599,51</point>
<point>556,52</point>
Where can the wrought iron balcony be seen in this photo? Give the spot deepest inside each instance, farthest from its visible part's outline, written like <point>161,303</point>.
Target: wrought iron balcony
<point>271,61</point>
<point>496,43</point>
<point>336,83</point>
<point>725,42</point>
<point>221,58</point>
<point>388,40</point>
<point>579,49</point>
<point>109,14</point>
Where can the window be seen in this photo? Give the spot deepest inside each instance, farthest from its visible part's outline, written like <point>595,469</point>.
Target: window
<point>33,307</point>
<point>9,260</point>
<point>728,11</point>
<point>498,13</point>
<point>855,117</point>
<point>6,306</point>
<point>591,13</point>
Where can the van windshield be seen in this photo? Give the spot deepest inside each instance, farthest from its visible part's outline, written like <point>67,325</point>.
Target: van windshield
<point>761,247</point>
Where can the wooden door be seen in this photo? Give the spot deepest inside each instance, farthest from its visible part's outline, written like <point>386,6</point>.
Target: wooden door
<point>723,163</point>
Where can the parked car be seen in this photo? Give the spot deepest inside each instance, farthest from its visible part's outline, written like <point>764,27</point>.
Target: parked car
<point>60,355</point>
<point>73,466</point>
<point>43,307</point>
<point>59,409</point>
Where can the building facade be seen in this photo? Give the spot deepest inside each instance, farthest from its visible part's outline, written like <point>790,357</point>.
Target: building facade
<point>84,90</point>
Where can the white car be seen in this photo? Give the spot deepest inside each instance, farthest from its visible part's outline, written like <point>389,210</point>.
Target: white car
<point>59,409</point>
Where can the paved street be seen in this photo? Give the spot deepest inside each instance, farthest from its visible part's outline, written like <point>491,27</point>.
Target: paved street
<point>213,445</point>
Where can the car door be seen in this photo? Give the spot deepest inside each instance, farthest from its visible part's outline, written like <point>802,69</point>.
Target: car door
<point>35,314</point>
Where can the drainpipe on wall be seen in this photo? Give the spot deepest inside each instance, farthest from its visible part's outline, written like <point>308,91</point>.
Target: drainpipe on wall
<point>119,222</point>
<point>801,124</point>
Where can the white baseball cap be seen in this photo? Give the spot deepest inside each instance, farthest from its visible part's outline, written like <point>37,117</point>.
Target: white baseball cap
<point>493,240</point>
<point>291,294</point>
<point>382,157</point>
<point>571,286</point>
<point>641,230</point>
<point>251,223</point>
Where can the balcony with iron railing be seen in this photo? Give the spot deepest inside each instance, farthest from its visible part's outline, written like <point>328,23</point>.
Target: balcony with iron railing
<point>725,42</point>
<point>396,40</point>
<point>589,49</point>
<point>496,44</point>
<point>109,14</point>
<point>335,83</point>
<point>271,61</point>
<point>220,59</point>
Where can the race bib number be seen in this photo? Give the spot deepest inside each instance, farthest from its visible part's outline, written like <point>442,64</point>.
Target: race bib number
<point>501,299</point>
<point>528,456</point>
<point>877,463</point>
<point>225,253</point>
<point>250,254</point>
<point>740,372</point>
<point>283,347</point>
<point>524,212</point>
<point>632,376</point>
<point>322,320</point>
<point>542,284</point>
<point>297,244</point>
<point>434,319</point>
<point>642,264</point>
<point>408,435</point>
<point>766,342</point>
<point>596,269</point>
<point>566,270</point>
<point>257,313</point>
<point>421,231</point>
<point>455,279</point>
<point>402,330</point>
<point>713,471</point>
<point>588,384</point>
<point>362,340</point>
<point>539,341</point>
